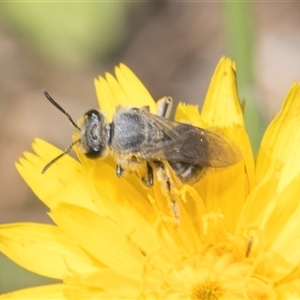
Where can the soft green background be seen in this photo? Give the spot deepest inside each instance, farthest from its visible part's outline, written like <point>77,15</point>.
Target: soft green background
<point>68,32</point>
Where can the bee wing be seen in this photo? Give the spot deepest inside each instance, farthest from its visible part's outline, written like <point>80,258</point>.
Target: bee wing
<point>193,145</point>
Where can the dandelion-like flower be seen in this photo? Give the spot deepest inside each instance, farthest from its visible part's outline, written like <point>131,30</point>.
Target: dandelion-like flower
<point>239,227</point>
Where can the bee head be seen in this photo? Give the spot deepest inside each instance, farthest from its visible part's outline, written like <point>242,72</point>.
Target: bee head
<point>93,134</point>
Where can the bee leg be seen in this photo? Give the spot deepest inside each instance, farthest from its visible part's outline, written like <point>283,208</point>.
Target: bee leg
<point>119,171</point>
<point>164,177</point>
<point>164,107</point>
<point>148,180</point>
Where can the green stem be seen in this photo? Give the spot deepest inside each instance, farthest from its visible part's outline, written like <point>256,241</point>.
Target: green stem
<point>239,41</point>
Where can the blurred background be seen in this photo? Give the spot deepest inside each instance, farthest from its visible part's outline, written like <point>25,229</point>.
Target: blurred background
<point>173,47</point>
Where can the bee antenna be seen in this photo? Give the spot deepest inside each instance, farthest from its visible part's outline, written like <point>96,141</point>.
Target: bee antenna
<point>59,156</point>
<point>51,100</point>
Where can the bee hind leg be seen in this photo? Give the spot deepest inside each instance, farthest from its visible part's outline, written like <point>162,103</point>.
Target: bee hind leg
<point>120,171</point>
<point>164,177</point>
<point>148,180</point>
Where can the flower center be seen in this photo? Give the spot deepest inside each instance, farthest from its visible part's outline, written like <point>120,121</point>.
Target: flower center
<point>207,291</point>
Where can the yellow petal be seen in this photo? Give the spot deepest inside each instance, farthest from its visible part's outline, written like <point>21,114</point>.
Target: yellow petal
<point>282,231</point>
<point>51,292</point>
<point>290,290</point>
<point>224,191</point>
<point>221,106</point>
<point>44,249</point>
<point>188,114</point>
<point>127,204</point>
<point>281,141</point>
<point>82,292</point>
<point>126,90</point>
<point>240,137</point>
<point>259,205</point>
<point>276,215</point>
<point>100,236</point>
<point>50,187</point>
<point>136,93</point>
<point>106,98</point>
<point>222,109</point>
<point>106,279</point>
<point>109,185</point>
<point>185,237</point>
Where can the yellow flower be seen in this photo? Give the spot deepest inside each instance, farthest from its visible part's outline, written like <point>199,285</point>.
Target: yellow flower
<point>239,228</point>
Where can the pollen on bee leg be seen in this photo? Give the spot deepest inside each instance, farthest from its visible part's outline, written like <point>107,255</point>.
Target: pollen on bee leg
<point>168,190</point>
<point>176,212</point>
<point>161,216</point>
<point>174,207</point>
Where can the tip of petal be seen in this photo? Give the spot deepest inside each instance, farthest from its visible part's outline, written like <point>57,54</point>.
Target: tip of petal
<point>281,140</point>
<point>188,113</point>
<point>222,107</point>
<point>125,89</point>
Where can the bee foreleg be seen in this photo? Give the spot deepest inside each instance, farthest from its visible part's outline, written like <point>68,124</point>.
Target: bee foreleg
<point>148,180</point>
<point>164,107</point>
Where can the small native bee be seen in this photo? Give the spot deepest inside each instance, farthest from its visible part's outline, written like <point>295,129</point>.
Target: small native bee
<point>138,139</point>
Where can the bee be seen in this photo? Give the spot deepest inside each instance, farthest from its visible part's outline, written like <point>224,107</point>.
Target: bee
<point>139,139</point>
